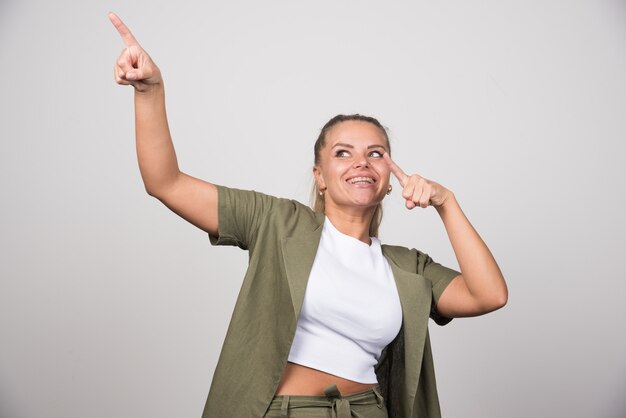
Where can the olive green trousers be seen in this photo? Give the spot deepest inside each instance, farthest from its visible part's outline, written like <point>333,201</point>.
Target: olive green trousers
<point>366,404</point>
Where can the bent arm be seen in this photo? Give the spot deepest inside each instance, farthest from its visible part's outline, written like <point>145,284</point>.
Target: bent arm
<point>193,199</point>
<point>480,288</point>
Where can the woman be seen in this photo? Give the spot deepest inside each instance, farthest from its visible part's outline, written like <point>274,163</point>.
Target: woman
<point>356,342</point>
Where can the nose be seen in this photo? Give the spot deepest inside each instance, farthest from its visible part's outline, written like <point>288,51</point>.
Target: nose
<point>360,161</point>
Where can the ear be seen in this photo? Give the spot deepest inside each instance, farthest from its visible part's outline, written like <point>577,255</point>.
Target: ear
<point>319,178</point>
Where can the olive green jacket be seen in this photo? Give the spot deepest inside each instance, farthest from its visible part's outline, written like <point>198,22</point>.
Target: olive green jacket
<point>282,237</point>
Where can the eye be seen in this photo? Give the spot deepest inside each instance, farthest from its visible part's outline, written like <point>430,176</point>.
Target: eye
<point>376,154</point>
<point>342,153</point>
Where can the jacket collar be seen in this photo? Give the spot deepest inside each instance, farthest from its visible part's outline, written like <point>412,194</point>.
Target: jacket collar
<point>298,255</point>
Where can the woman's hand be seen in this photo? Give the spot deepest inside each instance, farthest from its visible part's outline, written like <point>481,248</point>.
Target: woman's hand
<point>134,66</point>
<point>416,190</point>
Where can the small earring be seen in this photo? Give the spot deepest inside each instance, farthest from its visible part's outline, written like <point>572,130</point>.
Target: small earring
<point>322,190</point>
<point>389,190</point>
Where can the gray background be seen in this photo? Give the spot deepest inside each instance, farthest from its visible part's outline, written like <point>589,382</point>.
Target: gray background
<point>111,306</point>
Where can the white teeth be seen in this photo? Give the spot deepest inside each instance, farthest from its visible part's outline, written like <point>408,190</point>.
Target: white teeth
<point>356,180</point>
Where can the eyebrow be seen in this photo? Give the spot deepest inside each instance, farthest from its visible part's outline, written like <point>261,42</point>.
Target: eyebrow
<point>341,144</point>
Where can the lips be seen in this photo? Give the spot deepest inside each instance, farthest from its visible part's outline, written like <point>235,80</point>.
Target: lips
<point>364,178</point>
<point>361,180</point>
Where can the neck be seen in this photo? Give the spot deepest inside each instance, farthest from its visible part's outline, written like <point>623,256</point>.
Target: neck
<point>351,221</point>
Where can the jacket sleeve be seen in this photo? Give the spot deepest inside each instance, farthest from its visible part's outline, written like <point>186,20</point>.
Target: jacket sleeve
<point>439,277</point>
<point>240,213</point>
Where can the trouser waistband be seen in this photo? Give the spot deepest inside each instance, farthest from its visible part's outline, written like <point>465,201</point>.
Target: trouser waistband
<point>339,404</point>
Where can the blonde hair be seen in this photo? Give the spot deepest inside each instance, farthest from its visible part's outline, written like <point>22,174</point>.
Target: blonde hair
<point>317,198</point>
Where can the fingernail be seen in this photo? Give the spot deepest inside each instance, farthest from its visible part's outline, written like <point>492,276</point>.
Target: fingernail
<point>130,76</point>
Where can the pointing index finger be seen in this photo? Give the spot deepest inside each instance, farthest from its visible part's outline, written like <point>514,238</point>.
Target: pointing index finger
<point>127,37</point>
<point>395,169</point>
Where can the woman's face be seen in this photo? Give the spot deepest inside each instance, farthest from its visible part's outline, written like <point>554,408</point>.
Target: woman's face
<point>352,169</point>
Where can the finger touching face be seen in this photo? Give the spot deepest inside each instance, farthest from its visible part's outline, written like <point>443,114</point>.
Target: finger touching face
<point>396,170</point>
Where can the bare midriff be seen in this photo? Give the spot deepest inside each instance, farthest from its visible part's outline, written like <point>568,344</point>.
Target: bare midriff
<point>302,380</point>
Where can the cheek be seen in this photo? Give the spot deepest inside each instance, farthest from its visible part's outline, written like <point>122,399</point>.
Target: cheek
<point>383,170</point>
<point>337,169</point>
<point>330,173</point>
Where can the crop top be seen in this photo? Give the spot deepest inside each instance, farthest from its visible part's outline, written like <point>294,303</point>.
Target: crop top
<point>351,309</point>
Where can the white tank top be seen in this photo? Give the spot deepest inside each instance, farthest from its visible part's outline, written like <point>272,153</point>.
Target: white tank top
<point>351,308</point>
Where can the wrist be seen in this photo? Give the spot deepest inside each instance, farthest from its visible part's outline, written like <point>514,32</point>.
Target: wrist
<point>448,201</point>
<point>150,85</point>
<point>149,90</point>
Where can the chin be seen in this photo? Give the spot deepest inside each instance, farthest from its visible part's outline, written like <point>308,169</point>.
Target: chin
<point>359,200</point>
<point>366,203</point>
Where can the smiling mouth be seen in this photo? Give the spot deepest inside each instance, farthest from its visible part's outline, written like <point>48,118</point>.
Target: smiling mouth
<point>361,180</point>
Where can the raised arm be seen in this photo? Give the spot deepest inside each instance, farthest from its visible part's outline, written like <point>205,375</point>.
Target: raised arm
<point>480,288</point>
<point>193,199</point>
